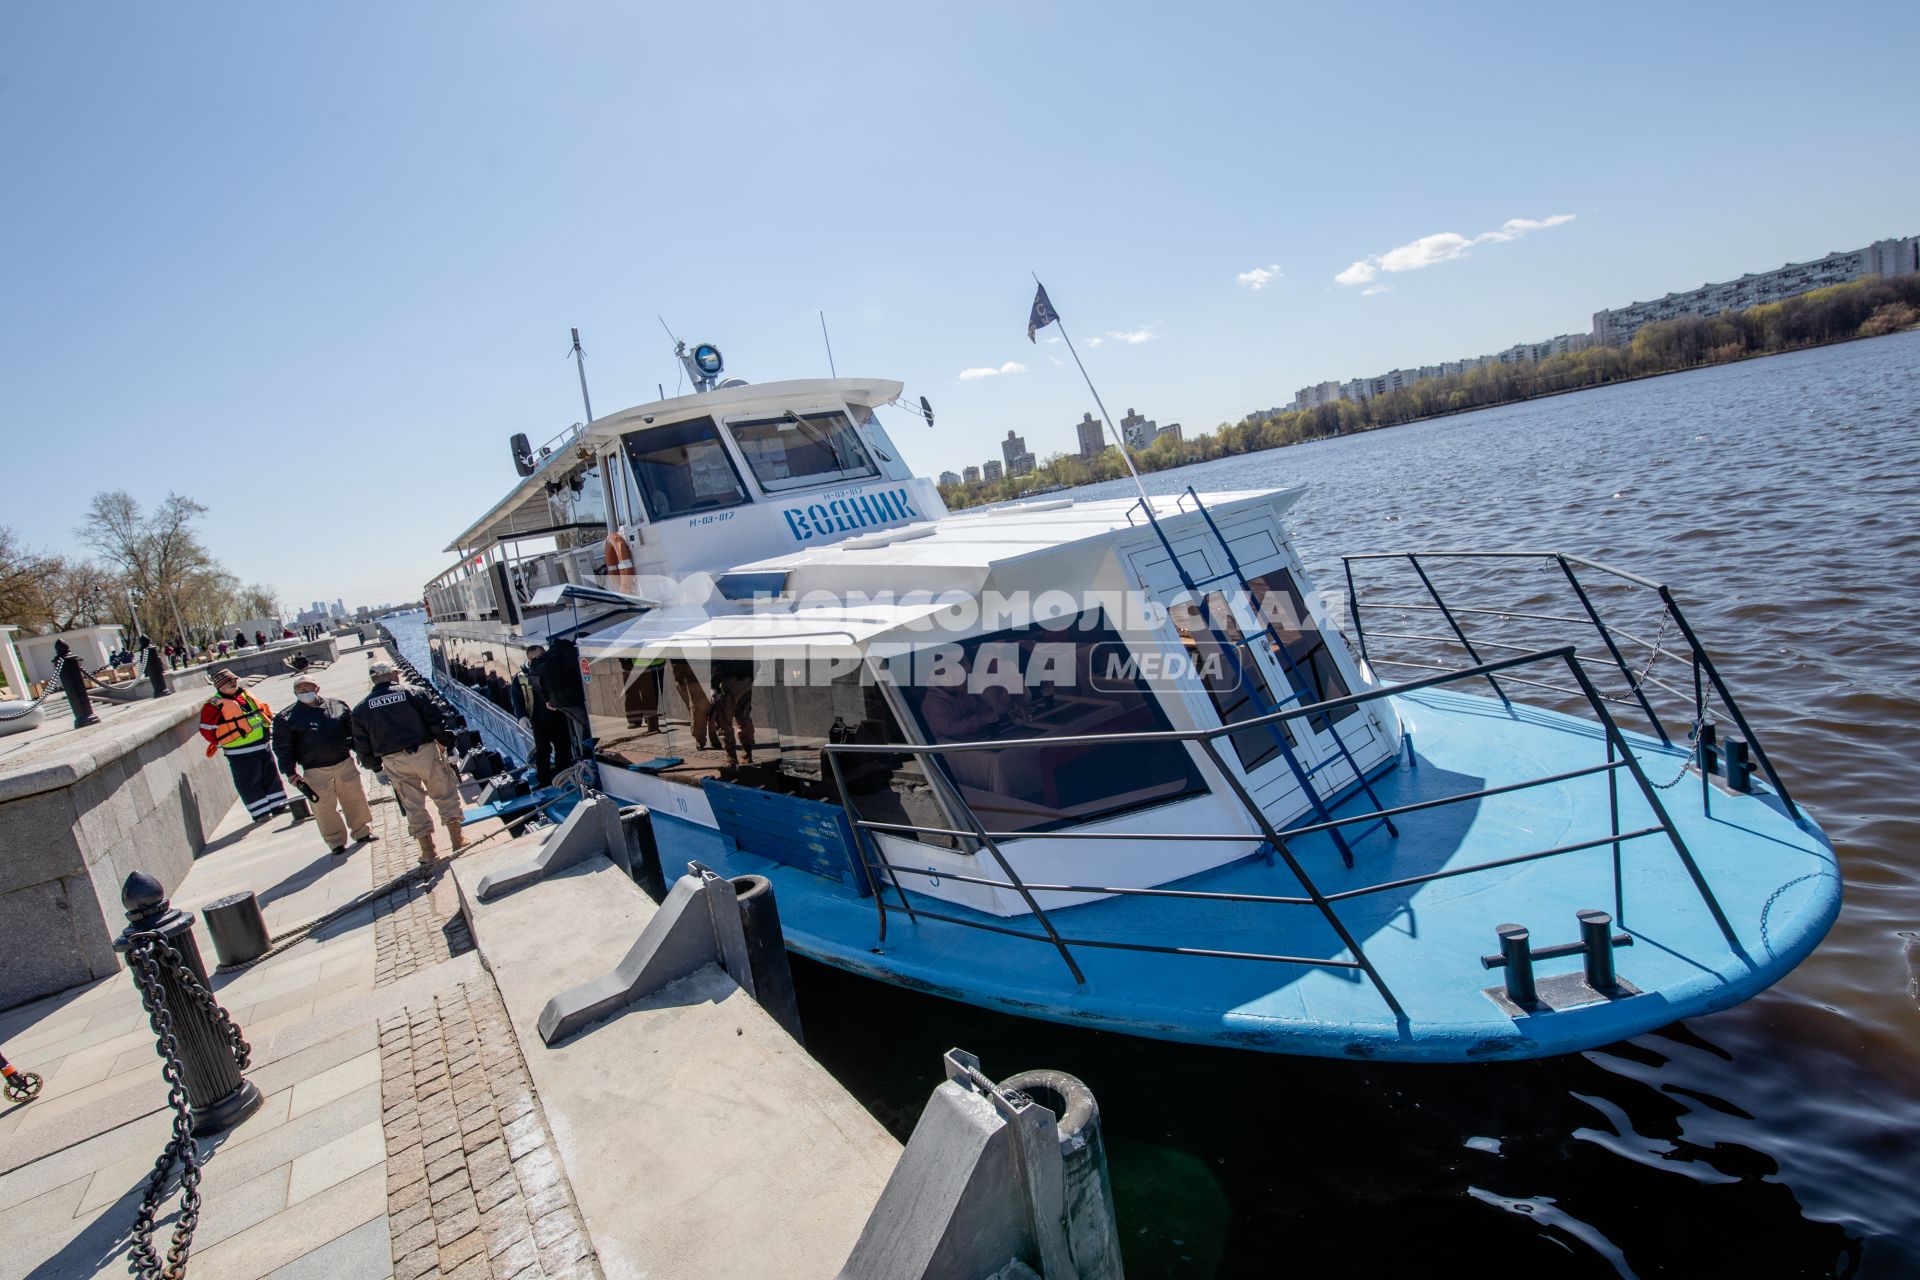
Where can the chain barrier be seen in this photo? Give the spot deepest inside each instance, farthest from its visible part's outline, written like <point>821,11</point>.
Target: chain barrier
<point>1693,753</point>
<point>146,952</point>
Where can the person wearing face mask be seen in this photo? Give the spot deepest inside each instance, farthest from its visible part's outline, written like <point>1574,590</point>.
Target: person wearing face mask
<point>237,724</point>
<point>313,743</point>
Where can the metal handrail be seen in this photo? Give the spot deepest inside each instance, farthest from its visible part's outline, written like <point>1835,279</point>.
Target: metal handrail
<point>878,864</point>
<point>1609,635</point>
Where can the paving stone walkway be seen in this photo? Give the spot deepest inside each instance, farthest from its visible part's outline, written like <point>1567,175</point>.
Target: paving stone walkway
<point>419,923</point>
<point>474,1189</point>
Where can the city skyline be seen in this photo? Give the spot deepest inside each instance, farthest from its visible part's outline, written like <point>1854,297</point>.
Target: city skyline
<point>231,280</point>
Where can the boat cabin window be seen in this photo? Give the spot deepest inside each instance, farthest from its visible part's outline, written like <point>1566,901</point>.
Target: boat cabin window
<point>1031,684</point>
<point>683,469</point>
<point>485,666</point>
<point>1232,694</point>
<point>798,449</point>
<point>1308,662</point>
<point>758,723</point>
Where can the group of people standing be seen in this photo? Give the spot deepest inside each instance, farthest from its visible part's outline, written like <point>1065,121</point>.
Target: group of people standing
<point>321,744</point>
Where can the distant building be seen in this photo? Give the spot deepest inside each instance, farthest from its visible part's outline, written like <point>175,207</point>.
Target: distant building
<point>948,479</point>
<point>1138,431</point>
<point>993,470</point>
<point>1021,464</point>
<point>1315,396</point>
<point>970,475</point>
<point>1093,435</point>
<point>1010,448</point>
<point>1175,430</point>
<point>1881,258</point>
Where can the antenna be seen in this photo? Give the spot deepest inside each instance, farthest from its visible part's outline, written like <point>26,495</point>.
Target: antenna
<point>829,341</point>
<point>581,358</point>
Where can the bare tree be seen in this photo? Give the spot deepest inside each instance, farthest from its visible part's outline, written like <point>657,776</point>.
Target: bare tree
<point>85,593</point>
<point>257,600</point>
<point>23,582</point>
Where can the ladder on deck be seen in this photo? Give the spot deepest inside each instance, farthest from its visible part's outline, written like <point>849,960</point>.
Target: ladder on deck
<point>1322,814</point>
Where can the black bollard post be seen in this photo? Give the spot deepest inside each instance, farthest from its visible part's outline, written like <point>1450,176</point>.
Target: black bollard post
<point>1596,936</point>
<point>1517,955</point>
<point>767,952</point>
<point>167,968</point>
<point>643,851</point>
<point>1739,766</point>
<point>1709,748</point>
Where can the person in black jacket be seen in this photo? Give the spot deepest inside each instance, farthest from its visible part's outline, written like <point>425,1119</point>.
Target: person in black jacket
<point>552,748</point>
<point>398,734</point>
<point>567,693</point>
<point>73,682</point>
<point>313,743</point>
<point>155,668</point>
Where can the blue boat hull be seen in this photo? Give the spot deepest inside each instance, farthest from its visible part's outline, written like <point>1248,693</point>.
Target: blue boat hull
<point>1776,879</point>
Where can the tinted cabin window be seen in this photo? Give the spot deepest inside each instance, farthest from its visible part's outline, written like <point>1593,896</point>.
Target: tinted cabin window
<point>1026,686</point>
<point>1232,694</point>
<point>793,450</point>
<point>1279,603</point>
<point>683,468</point>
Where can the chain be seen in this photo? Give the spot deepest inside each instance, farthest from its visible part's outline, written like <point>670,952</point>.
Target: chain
<point>1693,750</point>
<point>242,1051</point>
<point>144,1263</point>
<point>1658,636</point>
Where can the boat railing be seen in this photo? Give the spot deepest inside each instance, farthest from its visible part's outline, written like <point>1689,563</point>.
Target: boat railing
<point>885,873</point>
<point>1666,678</point>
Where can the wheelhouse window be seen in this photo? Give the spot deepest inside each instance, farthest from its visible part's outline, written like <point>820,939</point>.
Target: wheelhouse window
<point>799,449</point>
<point>1029,685</point>
<point>1231,690</point>
<point>683,468</point>
<point>1308,662</point>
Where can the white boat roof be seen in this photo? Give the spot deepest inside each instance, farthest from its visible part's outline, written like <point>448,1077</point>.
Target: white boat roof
<point>525,505</point>
<point>954,552</point>
<point>805,631</point>
<point>826,606</point>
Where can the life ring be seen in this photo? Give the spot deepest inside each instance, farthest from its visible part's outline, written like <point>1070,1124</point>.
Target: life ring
<point>619,558</point>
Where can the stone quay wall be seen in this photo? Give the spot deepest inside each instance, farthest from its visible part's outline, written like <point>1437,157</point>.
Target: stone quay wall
<point>77,816</point>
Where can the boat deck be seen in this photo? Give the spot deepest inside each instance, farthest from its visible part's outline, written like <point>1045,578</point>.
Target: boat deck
<point>1776,879</point>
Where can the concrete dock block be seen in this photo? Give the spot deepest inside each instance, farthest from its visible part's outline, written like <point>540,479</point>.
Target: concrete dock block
<point>583,835</point>
<point>676,941</point>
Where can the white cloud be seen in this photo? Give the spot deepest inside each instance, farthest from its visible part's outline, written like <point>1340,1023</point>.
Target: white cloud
<point>1094,342</point>
<point>1260,277</point>
<point>1057,360</point>
<point>1132,337</point>
<point>1444,246</point>
<point>1051,341</point>
<point>1372,289</point>
<point>988,371</point>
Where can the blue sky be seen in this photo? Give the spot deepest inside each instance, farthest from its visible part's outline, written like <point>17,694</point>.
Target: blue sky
<point>314,264</point>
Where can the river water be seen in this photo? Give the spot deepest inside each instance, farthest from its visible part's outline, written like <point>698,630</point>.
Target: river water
<point>1780,498</point>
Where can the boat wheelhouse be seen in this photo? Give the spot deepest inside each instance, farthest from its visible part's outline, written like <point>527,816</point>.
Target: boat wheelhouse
<point>1111,762</point>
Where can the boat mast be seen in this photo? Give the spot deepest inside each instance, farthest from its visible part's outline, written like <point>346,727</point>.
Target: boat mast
<point>580,357</point>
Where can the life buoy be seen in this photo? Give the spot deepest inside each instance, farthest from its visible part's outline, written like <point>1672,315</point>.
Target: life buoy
<point>619,558</point>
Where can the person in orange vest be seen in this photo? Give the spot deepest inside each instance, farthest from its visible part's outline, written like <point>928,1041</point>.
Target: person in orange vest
<point>238,724</point>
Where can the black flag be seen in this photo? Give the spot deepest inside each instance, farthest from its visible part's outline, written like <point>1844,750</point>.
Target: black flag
<point>1043,312</point>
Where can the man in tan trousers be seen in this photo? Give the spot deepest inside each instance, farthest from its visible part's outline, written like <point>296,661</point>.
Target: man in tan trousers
<point>313,745</point>
<point>398,734</point>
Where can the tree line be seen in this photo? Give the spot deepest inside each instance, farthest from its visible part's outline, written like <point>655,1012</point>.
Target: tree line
<point>150,560</point>
<point>1861,309</point>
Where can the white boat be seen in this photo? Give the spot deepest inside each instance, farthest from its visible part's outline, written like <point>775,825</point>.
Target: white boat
<point>1110,762</point>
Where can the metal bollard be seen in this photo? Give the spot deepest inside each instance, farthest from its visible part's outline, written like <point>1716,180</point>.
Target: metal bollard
<point>201,1042</point>
<point>643,851</point>
<point>1093,1236</point>
<point>1739,766</point>
<point>1596,936</point>
<point>1709,748</point>
<point>1517,957</point>
<point>767,952</point>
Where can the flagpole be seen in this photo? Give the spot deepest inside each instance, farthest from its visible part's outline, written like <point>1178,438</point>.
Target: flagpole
<point>1112,427</point>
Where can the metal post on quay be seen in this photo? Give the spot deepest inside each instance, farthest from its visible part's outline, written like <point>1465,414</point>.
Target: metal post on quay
<point>202,1051</point>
